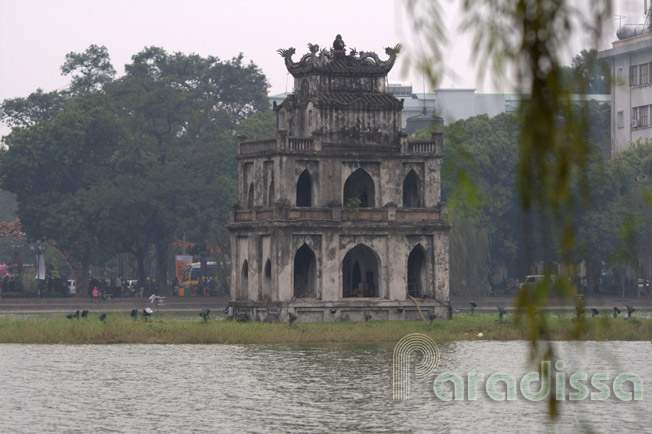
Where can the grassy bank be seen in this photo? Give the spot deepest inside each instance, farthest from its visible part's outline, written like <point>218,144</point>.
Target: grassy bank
<point>120,328</point>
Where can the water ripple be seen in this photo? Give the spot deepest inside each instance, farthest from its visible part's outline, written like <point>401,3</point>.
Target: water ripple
<point>290,388</point>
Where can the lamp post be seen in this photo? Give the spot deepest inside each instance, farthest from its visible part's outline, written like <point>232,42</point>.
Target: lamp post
<point>38,250</point>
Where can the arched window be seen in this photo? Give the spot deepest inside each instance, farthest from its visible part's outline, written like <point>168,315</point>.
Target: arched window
<point>270,196</point>
<point>361,273</point>
<point>416,272</point>
<point>281,120</point>
<point>411,196</point>
<point>305,265</point>
<point>250,196</point>
<point>267,281</point>
<point>304,189</point>
<point>359,185</point>
<point>244,281</point>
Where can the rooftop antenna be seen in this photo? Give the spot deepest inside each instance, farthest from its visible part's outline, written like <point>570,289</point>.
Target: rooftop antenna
<point>423,78</point>
<point>620,19</point>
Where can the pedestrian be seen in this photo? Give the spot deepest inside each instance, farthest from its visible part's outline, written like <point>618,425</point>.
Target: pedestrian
<point>96,294</point>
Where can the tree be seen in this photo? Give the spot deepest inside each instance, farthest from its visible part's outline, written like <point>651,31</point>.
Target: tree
<point>587,74</point>
<point>179,114</point>
<point>90,70</point>
<point>52,167</point>
<point>37,107</point>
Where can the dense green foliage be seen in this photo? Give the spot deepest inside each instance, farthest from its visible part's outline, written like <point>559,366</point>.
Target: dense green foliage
<point>131,164</point>
<point>491,241</point>
<point>587,74</point>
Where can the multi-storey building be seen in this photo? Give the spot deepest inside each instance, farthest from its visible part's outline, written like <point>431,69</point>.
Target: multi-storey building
<point>631,87</point>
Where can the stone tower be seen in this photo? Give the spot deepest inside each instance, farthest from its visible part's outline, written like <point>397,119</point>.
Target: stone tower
<point>339,213</point>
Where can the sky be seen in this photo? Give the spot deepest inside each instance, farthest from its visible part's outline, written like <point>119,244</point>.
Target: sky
<point>35,35</point>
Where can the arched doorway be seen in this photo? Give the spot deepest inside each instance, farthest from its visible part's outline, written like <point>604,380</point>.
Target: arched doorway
<point>361,273</point>
<point>359,185</point>
<point>304,189</point>
<point>305,266</point>
<point>417,272</point>
<point>244,281</point>
<point>411,196</point>
<point>267,281</point>
<point>250,196</point>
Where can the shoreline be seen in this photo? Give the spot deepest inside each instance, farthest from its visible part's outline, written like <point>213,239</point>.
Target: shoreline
<point>167,328</point>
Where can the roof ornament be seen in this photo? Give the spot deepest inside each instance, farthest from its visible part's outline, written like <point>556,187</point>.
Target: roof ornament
<point>338,46</point>
<point>336,60</point>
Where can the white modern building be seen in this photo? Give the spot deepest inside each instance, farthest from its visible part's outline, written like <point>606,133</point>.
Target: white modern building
<point>631,88</point>
<point>453,104</point>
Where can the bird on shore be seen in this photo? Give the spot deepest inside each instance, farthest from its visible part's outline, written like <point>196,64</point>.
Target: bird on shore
<point>367,316</point>
<point>102,317</point>
<point>84,314</point>
<point>594,312</point>
<point>204,314</point>
<point>134,313</point>
<point>292,318</point>
<point>616,311</point>
<point>473,306</point>
<point>630,311</point>
<point>432,316</point>
<point>501,312</point>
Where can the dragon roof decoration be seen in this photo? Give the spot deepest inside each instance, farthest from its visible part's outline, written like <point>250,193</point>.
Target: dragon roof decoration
<point>335,61</point>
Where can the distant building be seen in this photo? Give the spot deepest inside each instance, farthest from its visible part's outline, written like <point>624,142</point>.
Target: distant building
<point>451,105</point>
<point>631,89</point>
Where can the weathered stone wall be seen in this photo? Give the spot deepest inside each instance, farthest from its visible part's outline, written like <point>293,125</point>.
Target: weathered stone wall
<point>330,245</point>
<point>329,174</point>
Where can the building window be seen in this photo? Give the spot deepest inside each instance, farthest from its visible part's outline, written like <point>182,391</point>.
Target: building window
<point>281,120</point>
<point>361,273</point>
<point>411,196</point>
<point>633,76</point>
<point>359,185</point>
<point>643,73</point>
<point>310,118</point>
<point>304,189</point>
<point>619,75</point>
<point>270,195</point>
<point>250,196</point>
<point>417,272</point>
<point>267,281</point>
<point>620,116</point>
<point>640,116</point>
<point>305,265</point>
<point>643,119</point>
<point>244,281</point>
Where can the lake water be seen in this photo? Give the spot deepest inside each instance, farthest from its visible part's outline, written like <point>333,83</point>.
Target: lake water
<point>294,388</point>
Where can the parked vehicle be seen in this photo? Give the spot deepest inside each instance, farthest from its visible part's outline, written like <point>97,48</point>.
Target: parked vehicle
<point>535,279</point>
<point>192,275</point>
<point>643,287</point>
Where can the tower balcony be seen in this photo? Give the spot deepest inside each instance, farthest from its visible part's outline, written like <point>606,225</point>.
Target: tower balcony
<point>338,214</point>
<point>283,143</point>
